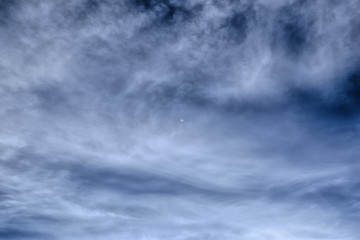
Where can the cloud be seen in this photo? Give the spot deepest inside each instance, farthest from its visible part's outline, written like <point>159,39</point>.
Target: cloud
<point>165,119</point>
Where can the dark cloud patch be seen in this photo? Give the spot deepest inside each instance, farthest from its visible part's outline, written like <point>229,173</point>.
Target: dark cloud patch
<point>293,30</point>
<point>87,9</point>
<point>313,101</point>
<point>18,233</point>
<point>341,103</point>
<point>136,182</point>
<point>52,98</point>
<point>7,8</point>
<point>352,90</point>
<point>239,23</point>
<point>144,4</point>
<point>168,12</point>
<point>345,100</point>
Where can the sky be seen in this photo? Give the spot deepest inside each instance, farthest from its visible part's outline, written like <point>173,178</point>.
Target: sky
<point>179,119</point>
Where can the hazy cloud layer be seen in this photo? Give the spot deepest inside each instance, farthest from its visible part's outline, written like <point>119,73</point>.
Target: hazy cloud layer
<point>169,119</point>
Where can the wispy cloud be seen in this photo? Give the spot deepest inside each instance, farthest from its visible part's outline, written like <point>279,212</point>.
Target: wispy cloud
<point>165,119</point>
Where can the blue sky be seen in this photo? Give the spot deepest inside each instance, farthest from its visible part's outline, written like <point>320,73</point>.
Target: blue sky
<point>180,120</point>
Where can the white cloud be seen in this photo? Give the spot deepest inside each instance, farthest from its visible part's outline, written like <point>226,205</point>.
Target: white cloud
<point>174,121</point>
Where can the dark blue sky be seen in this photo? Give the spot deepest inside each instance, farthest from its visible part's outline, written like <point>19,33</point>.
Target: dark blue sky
<point>180,120</point>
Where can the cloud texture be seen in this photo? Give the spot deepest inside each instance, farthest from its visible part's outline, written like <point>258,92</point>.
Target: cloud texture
<point>181,120</point>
